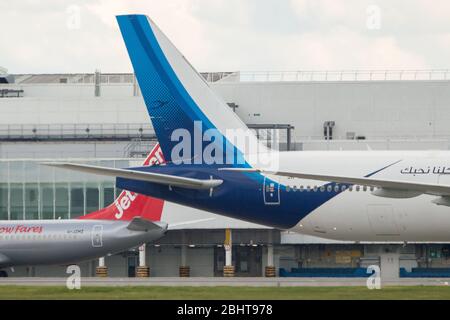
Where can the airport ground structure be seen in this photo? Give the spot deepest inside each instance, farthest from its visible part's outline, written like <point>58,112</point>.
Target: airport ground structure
<point>101,119</point>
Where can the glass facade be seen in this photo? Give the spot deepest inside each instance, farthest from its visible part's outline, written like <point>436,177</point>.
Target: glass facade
<point>29,190</point>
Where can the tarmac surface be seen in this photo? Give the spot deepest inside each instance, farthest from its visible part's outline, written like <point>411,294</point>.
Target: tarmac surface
<point>214,281</point>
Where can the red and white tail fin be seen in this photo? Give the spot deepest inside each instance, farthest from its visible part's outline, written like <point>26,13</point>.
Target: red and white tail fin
<point>129,204</point>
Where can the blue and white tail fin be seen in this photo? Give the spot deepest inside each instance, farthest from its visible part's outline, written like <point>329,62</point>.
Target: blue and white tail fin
<point>180,102</point>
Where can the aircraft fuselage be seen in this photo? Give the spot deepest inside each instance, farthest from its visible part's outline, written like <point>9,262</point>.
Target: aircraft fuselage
<point>330,210</point>
<point>36,242</point>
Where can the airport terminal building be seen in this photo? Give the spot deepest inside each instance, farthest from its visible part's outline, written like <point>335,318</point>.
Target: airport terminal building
<point>101,119</point>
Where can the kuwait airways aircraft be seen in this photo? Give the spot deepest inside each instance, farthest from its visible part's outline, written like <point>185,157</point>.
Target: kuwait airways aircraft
<point>130,221</point>
<point>216,164</point>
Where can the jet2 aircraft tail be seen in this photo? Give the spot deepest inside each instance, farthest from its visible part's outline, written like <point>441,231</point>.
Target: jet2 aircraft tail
<point>129,205</point>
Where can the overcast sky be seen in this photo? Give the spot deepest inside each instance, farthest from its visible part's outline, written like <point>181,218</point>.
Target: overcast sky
<point>44,36</point>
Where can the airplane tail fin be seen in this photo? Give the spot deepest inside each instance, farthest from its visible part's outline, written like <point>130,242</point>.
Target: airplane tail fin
<point>180,102</point>
<point>129,205</point>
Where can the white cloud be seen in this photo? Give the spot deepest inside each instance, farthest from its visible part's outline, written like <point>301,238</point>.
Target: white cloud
<point>230,34</point>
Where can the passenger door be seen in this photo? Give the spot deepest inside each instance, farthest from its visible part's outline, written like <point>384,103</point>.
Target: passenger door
<point>97,236</point>
<point>271,191</point>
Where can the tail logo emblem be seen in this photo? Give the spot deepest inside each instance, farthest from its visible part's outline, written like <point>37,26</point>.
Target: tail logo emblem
<point>159,104</point>
<point>123,203</point>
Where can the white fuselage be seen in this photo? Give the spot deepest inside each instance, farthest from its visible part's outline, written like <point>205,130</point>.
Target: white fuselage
<point>361,216</point>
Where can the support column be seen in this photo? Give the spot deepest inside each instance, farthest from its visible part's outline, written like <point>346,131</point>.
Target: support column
<point>136,90</point>
<point>270,268</point>
<point>97,82</point>
<point>142,271</point>
<point>102,269</point>
<point>91,267</point>
<point>184,270</point>
<point>390,265</point>
<point>288,139</point>
<point>31,271</point>
<point>228,269</point>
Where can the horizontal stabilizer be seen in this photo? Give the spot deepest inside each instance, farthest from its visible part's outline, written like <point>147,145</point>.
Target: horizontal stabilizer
<point>141,224</point>
<point>178,224</point>
<point>165,179</point>
<point>4,260</point>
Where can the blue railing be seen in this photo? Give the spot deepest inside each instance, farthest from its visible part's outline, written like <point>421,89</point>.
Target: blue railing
<point>425,273</point>
<point>325,272</point>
